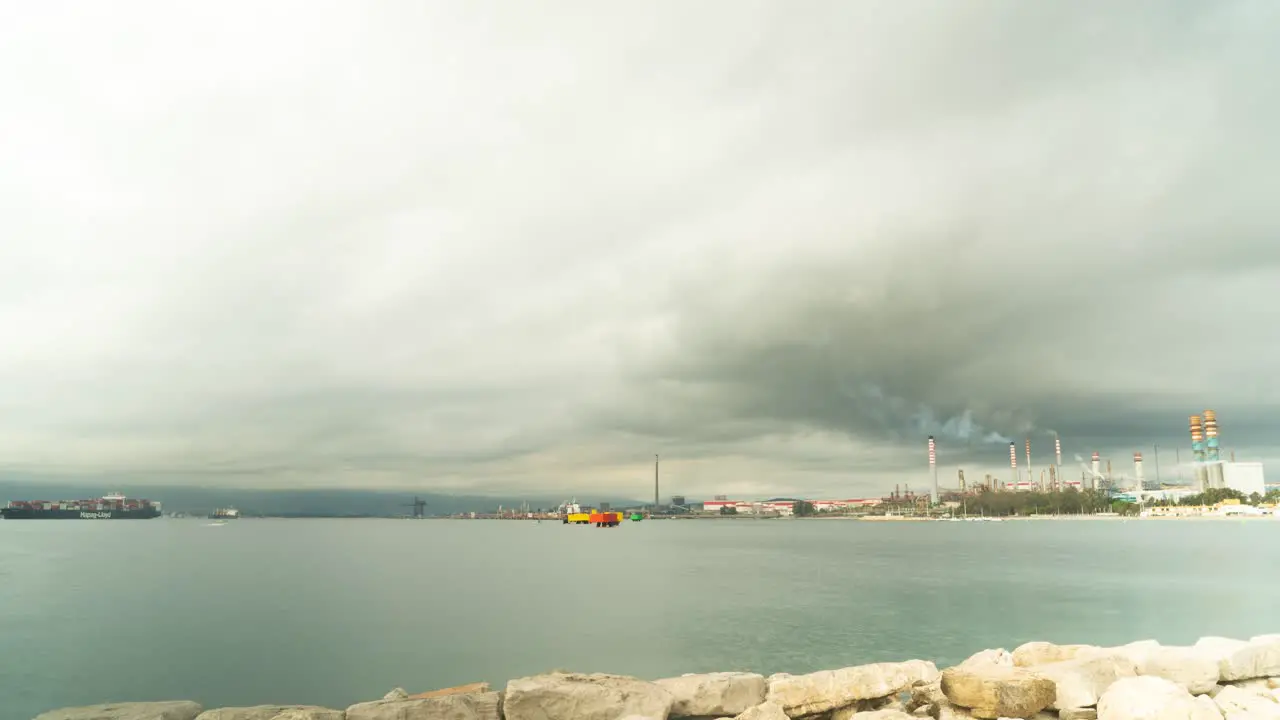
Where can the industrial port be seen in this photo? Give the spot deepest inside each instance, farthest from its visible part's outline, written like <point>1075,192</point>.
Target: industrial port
<point>1231,485</point>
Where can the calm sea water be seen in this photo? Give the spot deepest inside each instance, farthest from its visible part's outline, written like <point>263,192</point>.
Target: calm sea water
<point>333,612</point>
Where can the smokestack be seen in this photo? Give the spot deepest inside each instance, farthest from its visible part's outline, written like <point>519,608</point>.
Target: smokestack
<point>1013,461</point>
<point>655,482</point>
<point>1097,471</point>
<point>933,470</point>
<point>1211,450</point>
<point>1030,474</point>
<point>1211,435</point>
<point>1057,450</point>
<point>961,472</point>
<point>1198,451</point>
<point>1137,470</point>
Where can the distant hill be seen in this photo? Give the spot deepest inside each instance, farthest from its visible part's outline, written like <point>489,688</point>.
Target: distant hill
<point>200,500</point>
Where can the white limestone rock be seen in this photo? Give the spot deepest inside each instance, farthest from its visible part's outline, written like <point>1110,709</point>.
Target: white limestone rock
<point>763,711</point>
<point>1137,652</point>
<point>827,690</point>
<point>1235,702</point>
<point>1241,660</point>
<point>1260,686</point>
<point>396,694</point>
<point>1078,714</point>
<point>1191,668</point>
<point>997,656</point>
<point>577,696</point>
<point>1079,683</point>
<point>471,706</point>
<point>993,691</point>
<point>1207,706</point>
<point>1152,698</point>
<point>861,708</point>
<point>714,694</point>
<point>273,712</point>
<point>925,695</point>
<point>168,710</point>
<point>1041,653</point>
<point>1271,637</point>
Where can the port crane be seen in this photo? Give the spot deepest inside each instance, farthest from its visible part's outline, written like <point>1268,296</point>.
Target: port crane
<point>419,507</point>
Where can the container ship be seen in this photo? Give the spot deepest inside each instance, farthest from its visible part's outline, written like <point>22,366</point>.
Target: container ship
<point>109,507</point>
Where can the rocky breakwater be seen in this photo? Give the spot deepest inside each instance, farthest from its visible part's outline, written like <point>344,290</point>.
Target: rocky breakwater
<point>1214,679</point>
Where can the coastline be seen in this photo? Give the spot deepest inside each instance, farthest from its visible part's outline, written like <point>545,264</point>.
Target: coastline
<point>1214,678</point>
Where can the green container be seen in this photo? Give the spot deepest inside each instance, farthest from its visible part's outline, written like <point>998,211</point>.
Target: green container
<point>636,517</point>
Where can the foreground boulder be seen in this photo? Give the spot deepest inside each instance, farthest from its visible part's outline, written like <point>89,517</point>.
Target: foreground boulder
<point>1194,670</point>
<point>473,706</point>
<point>995,692</point>
<point>998,656</point>
<point>480,687</point>
<point>763,711</point>
<point>926,695</point>
<point>575,696</point>
<point>273,712</point>
<point>1235,702</point>
<point>170,710</point>
<point>828,690</point>
<point>1241,660</point>
<point>1041,653</point>
<point>1153,698</point>
<point>947,711</point>
<point>714,694</point>
<point>1079,683</point>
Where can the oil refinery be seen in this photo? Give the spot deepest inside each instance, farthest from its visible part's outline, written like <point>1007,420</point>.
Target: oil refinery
<point>1209,470</point>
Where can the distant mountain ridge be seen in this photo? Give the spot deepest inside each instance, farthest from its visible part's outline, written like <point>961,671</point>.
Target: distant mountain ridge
<point>190,499</point>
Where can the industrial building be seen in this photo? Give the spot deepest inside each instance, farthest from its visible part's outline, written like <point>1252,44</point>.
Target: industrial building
<point>1212,472</point>
<point>785,506</point>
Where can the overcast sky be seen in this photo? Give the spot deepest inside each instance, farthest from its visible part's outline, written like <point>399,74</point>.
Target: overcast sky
<point>504,247</point>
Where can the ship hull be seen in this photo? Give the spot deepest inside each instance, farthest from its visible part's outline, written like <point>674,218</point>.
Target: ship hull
<point>30,514</point>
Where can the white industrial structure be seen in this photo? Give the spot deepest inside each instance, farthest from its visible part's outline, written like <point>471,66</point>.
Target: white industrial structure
<point>1246,477</point>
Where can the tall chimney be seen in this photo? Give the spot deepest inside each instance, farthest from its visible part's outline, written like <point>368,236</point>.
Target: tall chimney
<point>1198,451</point>
<point>1212,452</point>
<point>1030,475</point>
<point>1137,471</point>
<point>1057,450</point>
<point>1097,471</point>
<point>933,470</point>
<point>655,482</point>
<point>1013,462</point>
<point>1211,435</point>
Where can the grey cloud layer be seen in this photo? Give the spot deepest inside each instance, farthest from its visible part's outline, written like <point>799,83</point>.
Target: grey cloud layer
<point>450,246</point>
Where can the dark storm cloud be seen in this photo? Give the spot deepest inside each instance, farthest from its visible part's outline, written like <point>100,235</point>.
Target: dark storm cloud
<point>447,246</point>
